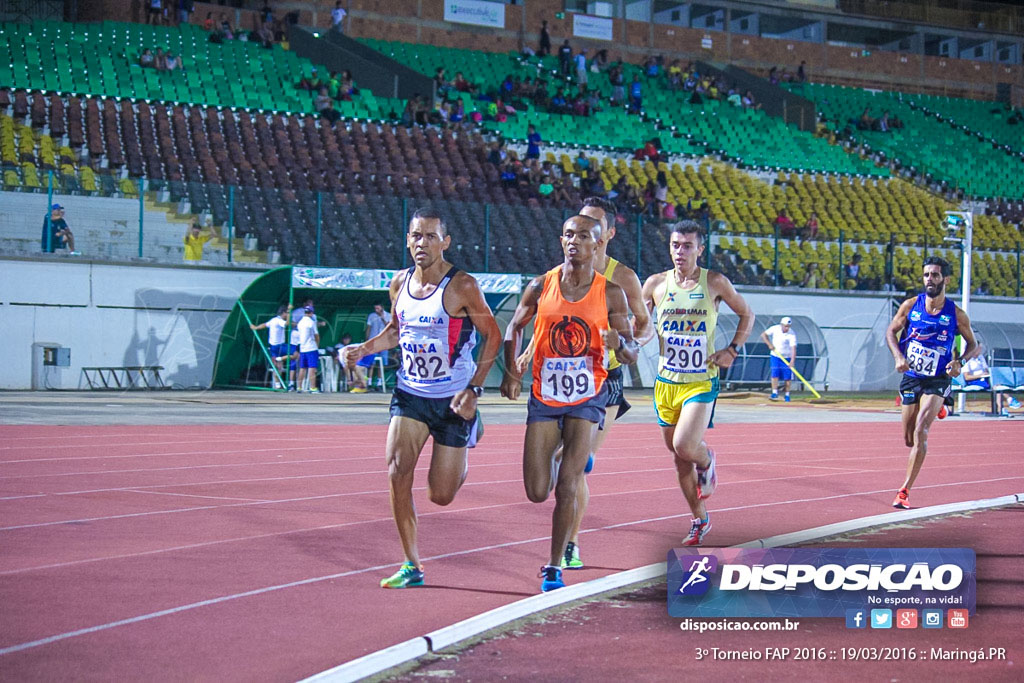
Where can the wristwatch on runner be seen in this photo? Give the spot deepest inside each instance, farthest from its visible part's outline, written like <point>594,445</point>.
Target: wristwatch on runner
<point>477,391</point>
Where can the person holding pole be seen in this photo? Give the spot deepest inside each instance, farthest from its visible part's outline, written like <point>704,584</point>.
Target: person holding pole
<point>781,341</point>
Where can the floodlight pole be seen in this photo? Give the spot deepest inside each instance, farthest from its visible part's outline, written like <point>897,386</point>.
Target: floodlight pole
<point>966,246</point>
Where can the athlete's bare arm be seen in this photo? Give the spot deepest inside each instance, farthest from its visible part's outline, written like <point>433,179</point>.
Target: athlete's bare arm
<point>388,337</point>
<point>892,335</point>
<point>626,278</point>
<point>619,335</point>
<point>971,348</point>
<point>468,301</point>
<point>721,289</point>
<point>512,384</point>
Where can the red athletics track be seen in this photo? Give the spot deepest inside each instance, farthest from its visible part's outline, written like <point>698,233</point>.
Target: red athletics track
<point>254,552</point>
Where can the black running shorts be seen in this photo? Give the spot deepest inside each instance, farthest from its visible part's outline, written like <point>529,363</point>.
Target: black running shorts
<point>447,428</point>
<point>615,396</point>
<point>912,388</point>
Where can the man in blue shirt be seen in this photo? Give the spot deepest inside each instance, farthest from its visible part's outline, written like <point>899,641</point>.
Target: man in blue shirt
<point>56,233</point>
<point>920,338</point>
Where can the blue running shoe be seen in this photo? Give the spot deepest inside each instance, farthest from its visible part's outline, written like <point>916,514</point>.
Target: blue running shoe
<point>787,398</point>
<point>552,578</point>
<point>590,464</point>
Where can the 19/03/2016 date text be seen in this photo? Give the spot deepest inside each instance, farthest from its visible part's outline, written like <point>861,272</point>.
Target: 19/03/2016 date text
<point>850,654</point>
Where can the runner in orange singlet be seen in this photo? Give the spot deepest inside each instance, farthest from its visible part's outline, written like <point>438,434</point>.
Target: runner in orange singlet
<point>580,317</point>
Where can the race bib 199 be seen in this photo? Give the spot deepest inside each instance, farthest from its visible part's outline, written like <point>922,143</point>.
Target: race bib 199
<point>922,360</point>
<point>686,353</point>
<point>567,380</point>
<point>424,361</point>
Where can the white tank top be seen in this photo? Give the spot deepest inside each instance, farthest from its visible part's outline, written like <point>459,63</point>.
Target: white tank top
<point>437,349</point>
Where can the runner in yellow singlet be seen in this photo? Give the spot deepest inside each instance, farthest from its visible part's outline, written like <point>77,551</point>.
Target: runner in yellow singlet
<point>686,301</point>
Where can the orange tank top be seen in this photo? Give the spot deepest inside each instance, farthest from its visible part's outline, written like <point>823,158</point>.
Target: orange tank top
<point>569,363</point>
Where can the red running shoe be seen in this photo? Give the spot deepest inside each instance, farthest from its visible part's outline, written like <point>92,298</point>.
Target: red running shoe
<point>902,500</point>
<point>942,413</point>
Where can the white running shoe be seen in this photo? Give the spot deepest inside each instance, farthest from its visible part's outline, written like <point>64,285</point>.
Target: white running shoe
<point>707,479</point>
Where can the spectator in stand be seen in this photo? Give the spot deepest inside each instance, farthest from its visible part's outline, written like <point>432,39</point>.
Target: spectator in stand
<point>561,193</point>
<point>154,12</point>
<point>600,61</point>
<point>865,122</point>
<point>734,98</point>
<point>265,35</point>
<point>564,58</point>
<point>160,60</point>
<point>883,123</point>
<point>636,95</point>
<point>173,62</point>
<point>812,278</point>
<point>497,155</point>
<point>810,229</point>
<point>533,141</point>
<point>266,13</point>
<point>773,76</point>
<point>784,224</point>
<point>225,27</point>
<point>185,9</point>
<point>56,233</point>
<point>338,18</point>
<point>661,194</point>
<point>208,22</point>
<point>461,84</point>
<point>631,200</point>
<point>618,80</point>
<point>194,241</point>
<point>649,198</point>
<point>311,82</point>
<point>651,67</point>
<point>851,273</point>
<point>581,67</point>
<point>146,59</point>
<point>441,83</point>
<point>801,72</point>
<point>749,102</point>
<point>581,164</point>
<point>544,46</point>
<point>325,107</point>
<point>559,105</point>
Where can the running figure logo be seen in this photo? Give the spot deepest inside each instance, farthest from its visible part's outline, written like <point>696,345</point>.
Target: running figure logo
<point>570,338</point>
<point>696,581</point>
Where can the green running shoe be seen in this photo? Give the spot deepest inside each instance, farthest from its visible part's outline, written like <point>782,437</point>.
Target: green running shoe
<point>571,558</point>
<point>408,576</point>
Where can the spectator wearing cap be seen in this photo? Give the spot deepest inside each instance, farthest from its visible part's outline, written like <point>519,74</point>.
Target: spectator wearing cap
<point>309,350</point>
<point>781,342</point>
<point>194,241</point>
<point>56,233</point>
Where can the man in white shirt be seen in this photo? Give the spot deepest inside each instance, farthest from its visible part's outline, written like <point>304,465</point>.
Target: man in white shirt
<point>781,341</point>
<point>279,351</point>
<point>309,350</point>
<point>338,17</point>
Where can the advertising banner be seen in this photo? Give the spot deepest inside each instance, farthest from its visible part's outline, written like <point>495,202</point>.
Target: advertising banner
<point>476,12</point>
<point>596,28</point>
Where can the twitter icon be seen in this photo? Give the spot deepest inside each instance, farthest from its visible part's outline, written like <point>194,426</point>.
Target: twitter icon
<point>881,618</point>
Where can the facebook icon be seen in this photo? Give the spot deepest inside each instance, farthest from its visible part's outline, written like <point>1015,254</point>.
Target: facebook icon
<point>856,618</point>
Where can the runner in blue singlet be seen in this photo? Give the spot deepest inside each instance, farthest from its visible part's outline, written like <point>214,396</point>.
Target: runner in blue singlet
<point>920,337</point>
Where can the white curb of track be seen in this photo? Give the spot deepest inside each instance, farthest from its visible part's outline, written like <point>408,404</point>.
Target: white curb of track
<point>434,641</point>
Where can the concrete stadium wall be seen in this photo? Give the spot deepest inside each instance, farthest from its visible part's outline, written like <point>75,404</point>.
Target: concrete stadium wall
<point>117,314</point>
<point>114,315</point>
